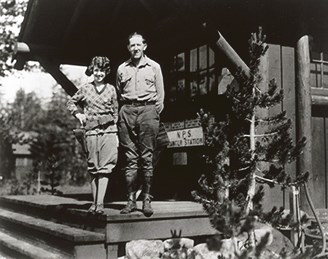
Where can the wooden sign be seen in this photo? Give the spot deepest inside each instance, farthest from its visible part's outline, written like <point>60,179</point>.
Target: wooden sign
<point>186,137</point>
<point>192,123</point>
<point>177,125</point>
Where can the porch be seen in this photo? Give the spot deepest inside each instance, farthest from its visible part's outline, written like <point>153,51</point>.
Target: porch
<point>45,226</point>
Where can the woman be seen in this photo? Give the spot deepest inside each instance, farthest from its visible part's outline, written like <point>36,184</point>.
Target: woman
<point>99,117</point>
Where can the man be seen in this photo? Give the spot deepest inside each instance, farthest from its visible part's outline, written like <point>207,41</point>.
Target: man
<point>141,90</point>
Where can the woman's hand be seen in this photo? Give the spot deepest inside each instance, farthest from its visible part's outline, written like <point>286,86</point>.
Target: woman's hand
<point>81,117</point>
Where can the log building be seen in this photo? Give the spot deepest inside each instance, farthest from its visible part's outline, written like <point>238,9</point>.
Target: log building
<point>196,72</point>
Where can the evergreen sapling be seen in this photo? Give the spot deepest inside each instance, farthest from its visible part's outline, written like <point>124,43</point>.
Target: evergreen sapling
<point>244,152</point>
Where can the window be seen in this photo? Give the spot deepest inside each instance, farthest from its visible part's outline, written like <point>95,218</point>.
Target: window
<point>319,70</point>
<point>197,79</point>
<point>202,63</point>
<point>23,162</point>
<point>193,74</point>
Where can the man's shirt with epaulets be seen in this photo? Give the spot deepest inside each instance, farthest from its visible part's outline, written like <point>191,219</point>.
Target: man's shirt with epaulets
<point>140,83</point>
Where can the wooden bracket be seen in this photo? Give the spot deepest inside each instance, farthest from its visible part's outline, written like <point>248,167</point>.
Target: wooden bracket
<point>53,68</point>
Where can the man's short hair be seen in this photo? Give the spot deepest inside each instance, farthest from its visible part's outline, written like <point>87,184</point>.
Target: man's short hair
<point>136,34</point>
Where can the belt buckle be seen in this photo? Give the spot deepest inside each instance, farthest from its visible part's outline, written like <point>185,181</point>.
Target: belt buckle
<point>138,103</point>
<point>132,102</point>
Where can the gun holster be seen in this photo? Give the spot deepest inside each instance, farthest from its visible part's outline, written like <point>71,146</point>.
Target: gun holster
<point>80,136</point>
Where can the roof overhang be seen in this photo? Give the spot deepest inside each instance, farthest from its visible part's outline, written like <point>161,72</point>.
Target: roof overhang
<point>72,32</point>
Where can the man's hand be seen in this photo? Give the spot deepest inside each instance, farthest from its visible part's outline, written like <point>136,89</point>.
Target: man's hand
<point>118,141</point>
<point>159,107</point>
<point>81,117</point>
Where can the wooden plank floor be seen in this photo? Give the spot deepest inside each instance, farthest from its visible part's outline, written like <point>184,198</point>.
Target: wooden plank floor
<point>162,209</point>
<point>180,217</point>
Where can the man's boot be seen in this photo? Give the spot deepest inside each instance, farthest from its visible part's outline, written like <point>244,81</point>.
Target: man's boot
<point>146,207</point>
<point>131,205</point>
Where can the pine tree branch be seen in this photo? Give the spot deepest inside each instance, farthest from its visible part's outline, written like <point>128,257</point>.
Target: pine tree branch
<point>269,160</point>
<point>274,119</point>
<point>244,168</point>
<point>266,179</point>
<point>266,134</point>
<point>258,89</point>
<point>236,99</point>
<point>261,135</point>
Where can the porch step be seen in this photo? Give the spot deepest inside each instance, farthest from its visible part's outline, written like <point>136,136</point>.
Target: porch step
<point>71,242</point>
<point>22,249</point>
<point>57,209</point>
<point>58,230</point>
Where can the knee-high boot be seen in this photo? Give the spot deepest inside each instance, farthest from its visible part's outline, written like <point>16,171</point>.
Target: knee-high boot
<point>146,206</point>
<point>132,204</point>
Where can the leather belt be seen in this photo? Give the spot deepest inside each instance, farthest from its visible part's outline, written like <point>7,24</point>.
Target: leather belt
<point>138,103</point>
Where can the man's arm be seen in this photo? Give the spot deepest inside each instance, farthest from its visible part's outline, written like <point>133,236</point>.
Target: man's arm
<point>159,84</point>
<point>115,105</point>
<point>118,83</point>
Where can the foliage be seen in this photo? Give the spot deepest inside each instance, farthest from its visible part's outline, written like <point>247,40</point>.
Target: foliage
<point>25,186</point>
<point>6,164</point>
<point>246,148</point>
<point>55,147</point>
<point>177,252</point>
<point>74,161</point>
<point>19,118</point>
<point>11,17</point>
<point>26,113</point>
<point>178,249</point>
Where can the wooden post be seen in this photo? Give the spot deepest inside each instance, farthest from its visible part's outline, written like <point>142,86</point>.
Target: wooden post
<point>304,109</point>
<point>38,190</point>
<point>112,251</point>
<point>295,213</point>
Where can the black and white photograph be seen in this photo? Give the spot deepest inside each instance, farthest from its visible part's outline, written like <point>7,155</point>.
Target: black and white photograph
<point>163,129</point>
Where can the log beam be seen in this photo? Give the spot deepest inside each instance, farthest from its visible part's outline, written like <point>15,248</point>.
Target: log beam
<point>220,43</point>
<point>52,68</point>
<point>24,52</point>
<point>33,50</point>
